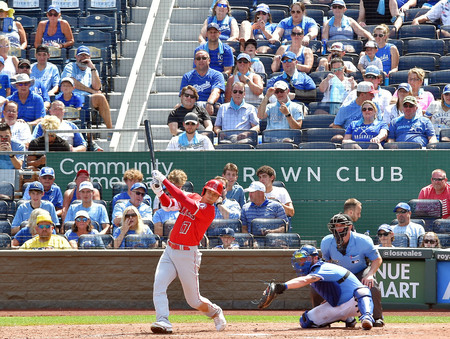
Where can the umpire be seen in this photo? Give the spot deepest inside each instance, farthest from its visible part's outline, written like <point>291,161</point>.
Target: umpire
<point>357,253</point>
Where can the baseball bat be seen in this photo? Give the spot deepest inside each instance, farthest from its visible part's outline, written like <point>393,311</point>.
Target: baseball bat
<point>149,138</point>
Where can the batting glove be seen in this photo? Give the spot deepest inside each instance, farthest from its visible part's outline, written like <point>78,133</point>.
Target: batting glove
<point>156,186</point>
<point>158,175</point>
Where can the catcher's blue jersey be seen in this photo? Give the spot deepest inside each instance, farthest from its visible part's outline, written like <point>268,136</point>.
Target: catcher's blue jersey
<point>331,286</point>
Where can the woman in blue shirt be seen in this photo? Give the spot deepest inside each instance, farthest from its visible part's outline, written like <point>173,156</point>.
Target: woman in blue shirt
<point>387,52</point>
<point>131,224</point>
<point>82,225</point>
<point>229,28</point>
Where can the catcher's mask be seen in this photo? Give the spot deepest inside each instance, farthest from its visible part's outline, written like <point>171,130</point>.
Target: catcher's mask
<point>341,219</point>
<point>303,259</point>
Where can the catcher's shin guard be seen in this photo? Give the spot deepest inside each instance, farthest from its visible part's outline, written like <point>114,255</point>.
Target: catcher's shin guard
<point>365,303</point>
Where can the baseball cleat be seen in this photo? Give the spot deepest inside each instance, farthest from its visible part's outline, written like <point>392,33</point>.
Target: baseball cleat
<point>160,327</point>
<point>366,324</point>
<point>378,323</point>
<point>350,322</point>
<point>219,321</point>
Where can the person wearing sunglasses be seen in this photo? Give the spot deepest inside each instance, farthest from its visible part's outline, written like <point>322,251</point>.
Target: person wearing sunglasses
<point>396,110</point>
<point>12,29</point>
<point>411,128</point>
<point>29,231</point>
<point>385,236</point>
<point>438,189</point>
<point>221,15</point>
<point>387,52</point>
<point>46,240</point>
<point>244,73</point>
<point>297,18</point>
<point>439,113</point>
<point>54,32</point>
<point>430,240</point>
<point>190,139</point>
<point>82,225</point>
<point>337,50</point>
<point>406,226</point>
<point>137,194</point>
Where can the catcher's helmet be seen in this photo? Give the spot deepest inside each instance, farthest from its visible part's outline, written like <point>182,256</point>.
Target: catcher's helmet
<point>213,185</point>
<point>342,219</point>
<point>302,259</point>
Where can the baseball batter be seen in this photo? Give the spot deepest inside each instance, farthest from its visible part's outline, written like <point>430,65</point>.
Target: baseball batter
<point>181,257</point>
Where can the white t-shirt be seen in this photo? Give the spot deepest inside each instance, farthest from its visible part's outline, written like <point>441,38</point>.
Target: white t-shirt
<point>440,11</point>
<point>20,131</point>
<point>280,194</point>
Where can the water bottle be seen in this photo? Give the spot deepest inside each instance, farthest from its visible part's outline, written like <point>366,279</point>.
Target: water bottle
<point>386,80</point>
<point>324,46</point>
<point>367,233</point>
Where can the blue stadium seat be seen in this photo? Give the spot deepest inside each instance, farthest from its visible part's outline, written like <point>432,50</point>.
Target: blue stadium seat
<point>238,136</point>
<point>188,187</point>
<point>5,227</point>
<point>108,240</point>
<point>7,189</point>
<point>240,13</point>
<point>318,121</point>
<point>401,240</point>
<point>398,77</point>
<point>319,108</point>
<point>435,90</point>
<point>277,145</point>
<point>362,144</point>
<point>142,241</point>
<point>258,224</point>
<point>402,145</point>
<point>439,145</point>
<point>119,187</point>
<point>233,146</point>
<point>417,31</point>
<point>427,46</point>
<point>426,62</point>
<point>29,23</point>
<point>321,134</point>
<point>444,239</point>
<point>282,240</point>
<point>282,135</point>
<point>245,240</point>
<point>28,7</point>
<point>150,224</point>
<point>266,60</point>
<point>167,227</point>
<point>316,46</point>
<point>399,44</point>
<point>413,13</point>
<point>428,208</point>
<point>444,133</point>
<point>219,224</point>
<point>90,241</point>
<point>318,76</point>
<point>441,226</point>
<point>317,145</point>
<point>316,14</point>
<point>5,241</point>
<point>439,77</point>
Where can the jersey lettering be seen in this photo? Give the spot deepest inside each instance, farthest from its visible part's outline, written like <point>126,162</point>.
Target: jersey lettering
<point>185,227</point>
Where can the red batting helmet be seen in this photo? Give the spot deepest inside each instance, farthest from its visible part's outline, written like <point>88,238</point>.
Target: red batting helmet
<point>214,185</point>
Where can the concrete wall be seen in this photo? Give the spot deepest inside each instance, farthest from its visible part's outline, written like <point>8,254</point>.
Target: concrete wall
<point>115,279</point>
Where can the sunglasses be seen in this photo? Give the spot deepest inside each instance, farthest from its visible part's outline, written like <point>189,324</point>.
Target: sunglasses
<point>189,96</point>
<point>261,13</point>
<point>401,212</point>
<point>383,234</point>
<point>47,226</point>
<point>296,34</point>
<point>245,61</point>
<point>278,91</point>
<point>438,179</point>
<point>140,193</point>
<point>370,76</point>
<point>24,67</point>
<point>52,14</point>
<point>127,216</point>
<point>287,60</point>
<point>84,219</point>
<point>201,58</point>
<point>298,12</point>
<point>222,5</point>
<point>190,123</point>
<point>378,35</point>
<point>235,91</point>
<point>334,70</point>
<point>337,7</point>
<point>23,84</point>
<point>408,105</point>
<point>429,241</point>
<point>364,109</point>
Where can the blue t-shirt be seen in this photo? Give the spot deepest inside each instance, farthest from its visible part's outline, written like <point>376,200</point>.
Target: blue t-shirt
<point>204,84</point>
<point>224,26</point>
<point>299,80</point>
<point>232,206</point>
<point>49,76</point>
<point>146,230</point>
<point>5,83</point>
<point>386,58</point>
<point>32,109</point>
<point>24,211</point>
<point>5,160</point>
<point>269,209</point>
<point>162,216</point>
<point>71,235</point>
<point>54,195</point>
<point>84,76</point>
<point>237,193</point>
<point>145,210</point>
<point>348,113</point>
<point>220,57</point>
<point>412,130</point>
<point>277,120</point>
<point>97,212</point>
<point>125,196</point>
<point>288,26</point>
<point>363,132</point>
<point>37,88</point>
<point>75,101</point>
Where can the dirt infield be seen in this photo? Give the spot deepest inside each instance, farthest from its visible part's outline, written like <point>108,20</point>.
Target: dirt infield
<point>206,330</point>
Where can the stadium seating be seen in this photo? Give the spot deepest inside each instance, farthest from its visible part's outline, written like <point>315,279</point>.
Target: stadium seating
<point>277,145</point>
<point>402,145</point>
<point>236,136</point>
<point>318,121</point>
<point>142,241</point>
<point>219,224</point>
<point>5,241</point>
<point>317,145</point>
<point>321,134</point>
<point>362,144</point>
<point>282,240</point>
<point>401,240</point>
<point>282,135</point>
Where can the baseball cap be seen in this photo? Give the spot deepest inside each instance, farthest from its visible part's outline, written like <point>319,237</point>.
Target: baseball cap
<point>82,213</point>
<point>227,231</point>
<point>263,8</point>
<point>373,70</point>
<point>36,186</point>
<point>44,218</point>
<point>67,79</point>
<point>24,62</point>
<point>251,42</point>
<point>23,77</point>
<point>213,25</point>
<point>47,171</point>
<point>411,100</point>
<point>256,186</point>
<point>371,43</point>
<point>86,185</point>
<point>191,117</point>
<point>83,50</point>
<point>366,87</point>
<point>4,7</point>
<point>54,8</point>
<point>244,56</point>
<point>402,205</point>
<point>446,89</point>
<point>337,46</point>
<point>407,87</point>
<point>280,84</point>
<point>138,185</point>
<point>290,55</point>
<point>82,171</point>
<point>386,228</point>
<point>338,2</point>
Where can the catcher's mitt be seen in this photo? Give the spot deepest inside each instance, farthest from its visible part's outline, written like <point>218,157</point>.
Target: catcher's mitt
<point>270,293</point>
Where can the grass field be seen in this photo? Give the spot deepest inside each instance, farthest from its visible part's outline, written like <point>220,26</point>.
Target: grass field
<point>136,319</point>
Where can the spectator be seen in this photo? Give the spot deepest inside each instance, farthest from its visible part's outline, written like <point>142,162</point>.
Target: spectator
<point>298,18</point>
<point>56,143</point>
<point>70,195</point>
<point>439,113</point>
<point>97,212</point>
<point>283,114</point>
<point>299,82</point>
<point>438,189</point>
<point>10,62</point>
<point>304,55</point>
<point>12,29</point>
<point>410,128</point>
<point>190,139</point>
<point>45,71</point>
<point>396,110</point>
<point>404,5</point>
<point>161,215</point>
<point>385,236</point>
<point>11,161</point>
<point>387,52</point>
<point>88,83</point>
<point>5,81</point>
<point>45,239</point>
<point>250,47</point>
<point>430,240</point>
<point>336,86</point>
<point>188,97</point>
<point>75,140</point>
<point>221,15</point>
<point>130,177</point>
<point>226,208</point>
<point>267,176</point>
<point>351,111</point>
<point>137,194</point>
<point>237,114</point>
<point>221,55</point>
<point>67,96</point>
<point>353,208</point>
<point>439,10</point>
<point>368,128</point>
<point>369,57</point>
<point>31,106</point>
<point>227,238</point>
<point>261,29</point>
<point>20,130</point>
<point>233,189</point>
<point>36,192</point>
<point>343,246</point>
<point>82,225</point>
<point>337,51</point>
<point>28,232</point>
<point>377,15</point>
<point>406,226</point>
<point>208,82</point>
<point>62,36</point>
<point>132,224</point>
<point>52,192</point>
<point>260,207</point>
<point>243,73</point>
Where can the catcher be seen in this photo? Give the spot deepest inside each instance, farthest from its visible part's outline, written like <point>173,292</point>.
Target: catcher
<point>343,292</point>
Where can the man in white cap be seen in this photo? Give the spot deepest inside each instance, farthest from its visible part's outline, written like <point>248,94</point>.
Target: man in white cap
<point>96,211</point>
<point>282,114</point>
<point>260,207</point>
<point>336,51</point>
<point>190,139</point>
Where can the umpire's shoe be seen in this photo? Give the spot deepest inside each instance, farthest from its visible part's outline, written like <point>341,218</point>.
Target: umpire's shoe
<point>350,322</point>
<point>378,323</point>
<point>219,321</point>
<point>161,328</point>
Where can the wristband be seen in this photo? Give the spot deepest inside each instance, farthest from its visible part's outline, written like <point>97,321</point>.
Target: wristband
<point>288,115</point>
<point>219,203</point>
<point>93,69</point>
<point>247,81</point>
<point>12,156</point>
<point>210,103</point>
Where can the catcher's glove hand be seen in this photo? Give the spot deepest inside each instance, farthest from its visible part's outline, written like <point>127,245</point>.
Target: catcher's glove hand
<point>270,293</point>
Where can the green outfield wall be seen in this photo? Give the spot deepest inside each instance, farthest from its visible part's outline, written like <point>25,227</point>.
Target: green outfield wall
<point>319,181</point>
